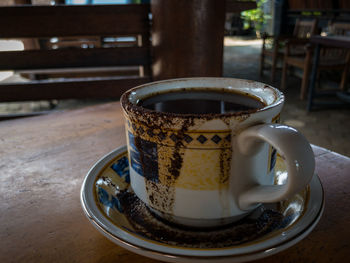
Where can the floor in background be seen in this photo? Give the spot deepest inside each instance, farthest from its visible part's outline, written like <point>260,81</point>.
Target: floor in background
<point>328,128</point>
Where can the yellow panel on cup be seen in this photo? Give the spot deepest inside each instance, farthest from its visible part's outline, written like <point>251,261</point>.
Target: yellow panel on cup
<point>203,170</point>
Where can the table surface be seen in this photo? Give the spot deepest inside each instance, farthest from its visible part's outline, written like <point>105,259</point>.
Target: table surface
<point>45,159</point>
<point>333,41</point>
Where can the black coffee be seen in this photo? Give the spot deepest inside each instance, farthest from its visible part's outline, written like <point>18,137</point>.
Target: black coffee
<point>199,101</point>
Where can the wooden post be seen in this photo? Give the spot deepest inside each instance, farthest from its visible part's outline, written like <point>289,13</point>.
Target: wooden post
<point>187,38</point>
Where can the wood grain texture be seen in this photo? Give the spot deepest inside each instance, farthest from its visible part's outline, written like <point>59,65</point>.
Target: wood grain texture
<point>44,159</point>
<point>42,168</point>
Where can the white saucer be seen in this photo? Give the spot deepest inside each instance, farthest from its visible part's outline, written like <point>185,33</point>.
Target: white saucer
<point>105,191</point>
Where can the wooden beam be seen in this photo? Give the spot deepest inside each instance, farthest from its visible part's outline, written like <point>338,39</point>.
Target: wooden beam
<point>80,72</point>
<point>61,58</point>
<point>111,87</point>
<point>234,6</point>
<point>57,21</point>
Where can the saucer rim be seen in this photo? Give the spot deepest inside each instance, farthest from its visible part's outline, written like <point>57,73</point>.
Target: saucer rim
<point>123,240</point>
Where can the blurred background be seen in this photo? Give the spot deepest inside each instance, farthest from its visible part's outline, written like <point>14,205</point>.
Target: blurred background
<point>249,38</point>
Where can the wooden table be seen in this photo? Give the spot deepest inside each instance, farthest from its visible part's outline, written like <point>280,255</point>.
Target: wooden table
<point>44,161</point>
<point>327,41</point>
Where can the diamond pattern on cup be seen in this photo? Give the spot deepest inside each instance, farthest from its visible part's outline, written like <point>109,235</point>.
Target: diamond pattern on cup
<point>150,132</point>
<point>173,137</point>
<point>141,130</point>
<point>216,139</point>
<point>161,135</point>
<point>188,138</point>
<point>202,139</point>
<point>228,138</point>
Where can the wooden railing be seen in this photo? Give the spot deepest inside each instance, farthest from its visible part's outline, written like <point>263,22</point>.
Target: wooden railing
<point>45,23</point>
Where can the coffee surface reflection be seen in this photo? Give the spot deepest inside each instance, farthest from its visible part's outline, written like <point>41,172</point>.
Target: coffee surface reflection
<point>200,102</point>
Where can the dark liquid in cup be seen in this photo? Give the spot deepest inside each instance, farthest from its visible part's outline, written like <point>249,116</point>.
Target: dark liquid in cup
<point>199,101</point>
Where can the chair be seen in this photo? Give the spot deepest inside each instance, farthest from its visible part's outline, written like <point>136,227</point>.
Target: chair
<point>273,47</point>
<point>81,52</point>
<point>330,59</point>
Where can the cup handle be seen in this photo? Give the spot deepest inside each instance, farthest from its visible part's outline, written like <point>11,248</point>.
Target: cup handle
<point>296,152</point>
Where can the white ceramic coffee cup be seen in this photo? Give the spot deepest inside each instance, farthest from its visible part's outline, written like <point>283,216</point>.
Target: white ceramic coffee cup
<point>201,170</point>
